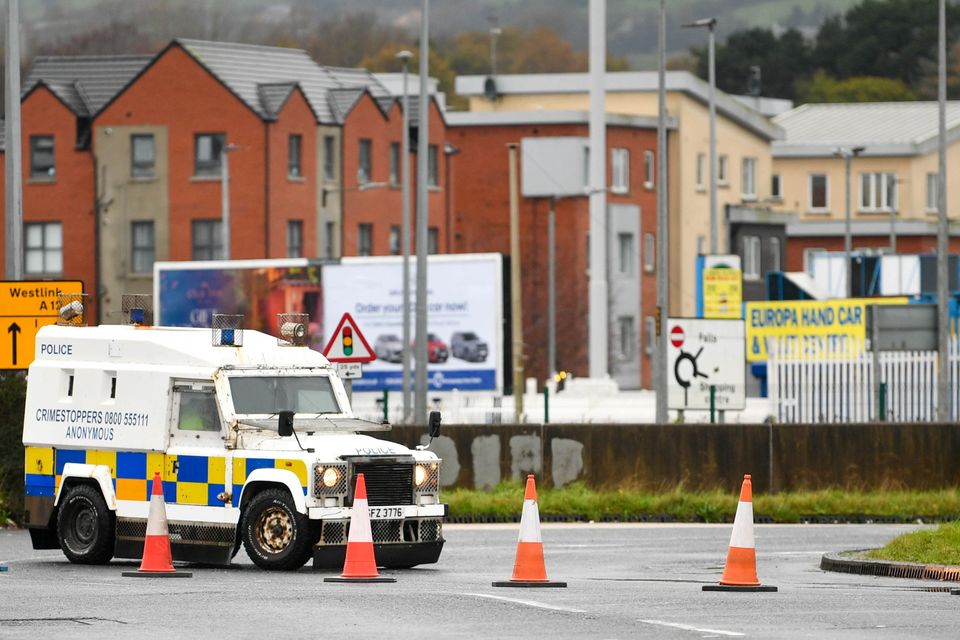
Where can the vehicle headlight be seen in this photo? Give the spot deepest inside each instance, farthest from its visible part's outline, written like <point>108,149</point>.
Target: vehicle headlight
<point>331,476</point>
<point>419,475</point>
<point>426,477</point>
<point>330,480</point>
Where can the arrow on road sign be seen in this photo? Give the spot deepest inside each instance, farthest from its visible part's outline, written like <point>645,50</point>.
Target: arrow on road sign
<point>13,330</point>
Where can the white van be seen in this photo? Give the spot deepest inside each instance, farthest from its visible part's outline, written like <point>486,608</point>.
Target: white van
<point>253,437</point>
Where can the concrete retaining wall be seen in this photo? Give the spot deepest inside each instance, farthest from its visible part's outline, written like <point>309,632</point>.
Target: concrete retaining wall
<point>698,456</point>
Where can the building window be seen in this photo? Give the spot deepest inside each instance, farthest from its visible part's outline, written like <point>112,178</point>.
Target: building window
<point>433,240</point>
<point>619,170</point>
<point>328,240</point>
<point>722,169</point>
<point>809,255</point>
<point>878,191</point>
<point>775,254</point>
<point>649,253</point>
<point>748,189</point>
<point>43,248</point>
<point>394,163</point>
<point>364,169</point>
<point>627,337</point>
<point>41,157</point>
<point>625,241</point>
<point>819,192</point>
<point>364,239</point>
<point>776,186</point>
<point>294,146</point>
<point>328,158</point>
<point>207,240</point>
<point>294,238</point>
<point>751,257</point>
<point>432,180</point>
<point>207,151</point>
<point>933,186</point>
<point>651,324</point>
<point>142,243</point>
<point>395,240</point>
<point>648,170</point>
<point>700,162</point>
<point>142,155</point>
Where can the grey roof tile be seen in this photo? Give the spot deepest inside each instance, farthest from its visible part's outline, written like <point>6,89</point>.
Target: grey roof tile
<point>84,83</point>
<point>274,95</point>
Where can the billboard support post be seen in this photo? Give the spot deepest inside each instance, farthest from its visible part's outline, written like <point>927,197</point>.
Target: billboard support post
<point>423,210</point>
<point>516,321</point>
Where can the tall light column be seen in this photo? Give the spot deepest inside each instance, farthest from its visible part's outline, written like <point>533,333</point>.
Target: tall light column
<point>405,56</point>
<point>597,322</point>
<point>13,168</point>
<point>710,23</point>
<point>423,151</point>
<point>943,284</point>
<point>663,295</point>
<point>847,153</point>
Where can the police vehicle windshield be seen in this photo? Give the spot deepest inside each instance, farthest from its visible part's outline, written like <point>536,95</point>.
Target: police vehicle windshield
<point>272,394</point>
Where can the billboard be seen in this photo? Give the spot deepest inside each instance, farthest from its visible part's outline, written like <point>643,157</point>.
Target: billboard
<point>187,294</point>
<point>722,285</point>
<point>464,318</point>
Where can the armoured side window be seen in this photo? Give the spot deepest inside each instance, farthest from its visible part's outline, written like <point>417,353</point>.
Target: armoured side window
<point>198,411</point>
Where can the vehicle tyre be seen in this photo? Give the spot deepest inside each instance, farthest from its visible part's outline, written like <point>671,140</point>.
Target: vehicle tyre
<point>85,526</point>
<point>275,535</point>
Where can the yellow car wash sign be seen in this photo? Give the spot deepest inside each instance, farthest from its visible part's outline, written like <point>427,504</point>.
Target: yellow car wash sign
<point>810,321</point>
<point>25,306</point>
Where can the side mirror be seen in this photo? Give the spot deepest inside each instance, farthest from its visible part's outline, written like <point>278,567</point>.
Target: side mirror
<point>285,424</point>
<point>434,423</point>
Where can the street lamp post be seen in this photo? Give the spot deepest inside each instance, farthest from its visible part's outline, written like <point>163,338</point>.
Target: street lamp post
<point>709,24</point>
<point>405,56</point>
<point>225,199</point>
<point>943,284</point>
<point>663,293</point>
<point>423,151</point>
<point>847,153</point>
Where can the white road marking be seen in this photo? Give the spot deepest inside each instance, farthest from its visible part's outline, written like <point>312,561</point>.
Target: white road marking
<point>687,627</point>
<point>527,603</point>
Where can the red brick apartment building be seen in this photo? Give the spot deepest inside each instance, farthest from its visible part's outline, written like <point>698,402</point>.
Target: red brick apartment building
<point>481,223</point>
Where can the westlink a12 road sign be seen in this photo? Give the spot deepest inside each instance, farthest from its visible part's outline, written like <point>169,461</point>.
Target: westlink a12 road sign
<point>25,306</point>
<point>705,353</point>
<point>347,344</point>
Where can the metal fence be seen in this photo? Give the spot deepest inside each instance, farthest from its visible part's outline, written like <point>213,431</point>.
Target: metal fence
<point>843,382</point>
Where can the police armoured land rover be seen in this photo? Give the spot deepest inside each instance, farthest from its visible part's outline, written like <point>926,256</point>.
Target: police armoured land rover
<point>253,436</point>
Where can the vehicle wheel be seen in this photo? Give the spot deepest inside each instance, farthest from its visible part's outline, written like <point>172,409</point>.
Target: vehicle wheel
<point>85,526</point>
<point>275,535</point>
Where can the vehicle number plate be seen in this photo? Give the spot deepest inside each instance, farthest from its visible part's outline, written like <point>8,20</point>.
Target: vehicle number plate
<point>380,513</point>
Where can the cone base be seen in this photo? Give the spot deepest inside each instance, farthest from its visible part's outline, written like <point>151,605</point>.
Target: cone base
<point>756,588</point>
<point>157,574</point>
<point>955,592</point>
<point>376,579</point>
<point>527,584</point>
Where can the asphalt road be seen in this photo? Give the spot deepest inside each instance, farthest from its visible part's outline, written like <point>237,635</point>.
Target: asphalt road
<point>625,581</point>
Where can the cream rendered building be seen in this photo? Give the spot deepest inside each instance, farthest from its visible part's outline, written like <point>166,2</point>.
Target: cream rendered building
<point>743,150</point>
<point>893,191</point>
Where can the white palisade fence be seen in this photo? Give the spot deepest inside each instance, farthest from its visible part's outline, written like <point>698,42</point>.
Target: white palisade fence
<point>835,383</point>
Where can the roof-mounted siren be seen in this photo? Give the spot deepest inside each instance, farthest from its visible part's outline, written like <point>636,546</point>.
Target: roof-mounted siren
<point>227,330</point>
<point>71,308</point>
<point>292,329</point>
<point>490,89</point>
<point>137,309</point>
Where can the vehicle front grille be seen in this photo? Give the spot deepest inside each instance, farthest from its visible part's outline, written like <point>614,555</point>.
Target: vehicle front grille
<point>385,530</point>
<point>387,484</point>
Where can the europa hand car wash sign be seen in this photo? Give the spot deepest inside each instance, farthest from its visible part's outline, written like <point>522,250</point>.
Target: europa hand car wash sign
<point>464,314</point>
<point>819,324</point>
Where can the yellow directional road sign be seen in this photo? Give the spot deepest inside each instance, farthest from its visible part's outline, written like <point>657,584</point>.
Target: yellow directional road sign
<point>25,306</point>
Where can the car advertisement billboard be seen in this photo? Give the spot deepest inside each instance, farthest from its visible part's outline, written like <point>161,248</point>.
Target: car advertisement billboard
<point>464,318</point>
<point>187,294</point>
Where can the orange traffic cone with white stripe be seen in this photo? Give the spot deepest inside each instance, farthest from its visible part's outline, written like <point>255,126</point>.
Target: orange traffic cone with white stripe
<point>529,569</point>
<point>360,565</point>
<point>157,559</point>
<point>740,574</point>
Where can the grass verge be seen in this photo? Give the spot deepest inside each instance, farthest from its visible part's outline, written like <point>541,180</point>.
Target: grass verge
<point>933,546</point>
<point>577,501</point>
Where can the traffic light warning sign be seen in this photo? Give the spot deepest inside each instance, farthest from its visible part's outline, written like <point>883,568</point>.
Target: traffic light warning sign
<point>347,344</point>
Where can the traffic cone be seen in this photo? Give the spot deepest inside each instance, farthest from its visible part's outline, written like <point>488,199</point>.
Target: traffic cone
<point>740,573</point>
<point>157,559</point>
<point>360,565</point>
<point>529,569</point>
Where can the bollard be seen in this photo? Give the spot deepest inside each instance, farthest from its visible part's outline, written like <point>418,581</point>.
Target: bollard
<point>546,405</point>
<point>386,406</point>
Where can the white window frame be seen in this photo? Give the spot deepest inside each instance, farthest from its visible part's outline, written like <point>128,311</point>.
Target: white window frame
<point>752,258</point>
<point>649,253</point>
<point>722,170</point>
<point>626,328</point>
<point>625,245</point>
<point>748,178</point>
<point>364,239</point>
<point>776,186</point>
<point>294,238</point>
<point>775,254</point>
<point>875,179</point>
<point>933,186</point>
<point>649,168</point>
<point>143,246</point>
<point>364,161</point>
<point>43,241</point>
<point>619,170</point>
<point>826,193</point>
<point>651,327</point>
